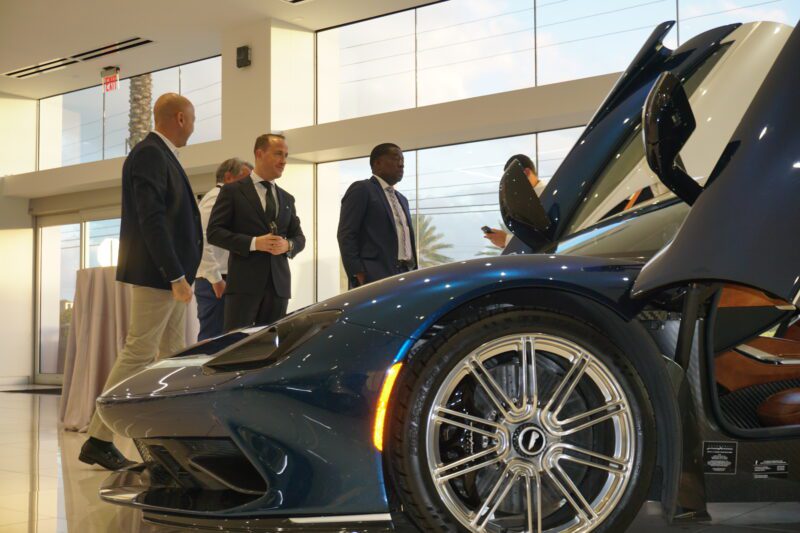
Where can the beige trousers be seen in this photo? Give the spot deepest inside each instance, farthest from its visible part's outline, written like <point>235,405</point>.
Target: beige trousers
<point>156,328</point>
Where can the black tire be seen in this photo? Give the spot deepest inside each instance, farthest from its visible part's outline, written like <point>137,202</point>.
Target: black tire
<point>406,457</point>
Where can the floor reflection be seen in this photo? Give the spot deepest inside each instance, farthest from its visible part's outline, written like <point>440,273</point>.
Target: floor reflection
<point>45,489</point>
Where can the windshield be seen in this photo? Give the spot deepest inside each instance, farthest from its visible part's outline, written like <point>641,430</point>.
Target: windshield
<point>628,181</point>
<point>637,236</point>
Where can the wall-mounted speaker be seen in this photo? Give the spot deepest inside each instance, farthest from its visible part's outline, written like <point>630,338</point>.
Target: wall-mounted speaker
<point>243,57</point>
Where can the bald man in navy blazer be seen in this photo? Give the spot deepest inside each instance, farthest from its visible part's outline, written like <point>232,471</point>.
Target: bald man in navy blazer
<point>161,241</point>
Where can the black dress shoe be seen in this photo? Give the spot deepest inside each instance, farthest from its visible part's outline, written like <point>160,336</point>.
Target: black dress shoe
<point>103,453</point>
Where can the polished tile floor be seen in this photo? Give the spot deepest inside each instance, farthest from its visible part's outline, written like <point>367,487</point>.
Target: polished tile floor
<point>45,489</point>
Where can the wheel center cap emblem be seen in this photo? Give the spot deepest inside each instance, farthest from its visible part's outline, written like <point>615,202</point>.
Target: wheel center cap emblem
<point>529,440</point>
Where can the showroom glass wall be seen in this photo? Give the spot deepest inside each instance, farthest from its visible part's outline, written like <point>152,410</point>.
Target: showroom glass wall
<point>64,247</point>
<point>465,48</point>
<point>452,192</point>
<point>89,125</point>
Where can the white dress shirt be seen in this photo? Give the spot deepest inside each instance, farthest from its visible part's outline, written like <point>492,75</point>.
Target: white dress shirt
<point>400,222</point>
<point>172,147</point>
<point>214,263</point>
<point>261,190</point>
<point>262,197</point>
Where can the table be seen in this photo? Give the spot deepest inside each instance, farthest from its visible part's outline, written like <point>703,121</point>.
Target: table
<point>97,333</point>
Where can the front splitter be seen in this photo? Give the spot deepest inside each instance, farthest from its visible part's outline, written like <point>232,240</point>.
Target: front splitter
<point>131,486</point>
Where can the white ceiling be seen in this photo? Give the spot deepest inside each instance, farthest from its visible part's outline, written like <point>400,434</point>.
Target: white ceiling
<point>36,31</point>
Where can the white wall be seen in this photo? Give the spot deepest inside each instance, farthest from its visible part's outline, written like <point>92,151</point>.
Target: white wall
<point>245,91</point>
<point>16,290</point>
<point>17,154</point>
<point>292,76</point>
<point>298,180</point>
<point>17,135</point>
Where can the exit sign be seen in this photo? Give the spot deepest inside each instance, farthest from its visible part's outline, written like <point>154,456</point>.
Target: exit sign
<point>110,77</point>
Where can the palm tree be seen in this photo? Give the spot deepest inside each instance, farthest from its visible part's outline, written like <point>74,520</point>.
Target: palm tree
<point>140,100</point>
<point>429,242</point>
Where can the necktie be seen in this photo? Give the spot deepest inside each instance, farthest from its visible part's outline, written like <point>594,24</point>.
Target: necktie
<point>397,211</point>
<point>269,205</point>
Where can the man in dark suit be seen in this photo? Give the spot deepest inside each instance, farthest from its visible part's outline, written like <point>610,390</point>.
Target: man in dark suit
<point>376,237</point>
<point>256,221</point>
<point>209,287</point>
<point>161,241</point>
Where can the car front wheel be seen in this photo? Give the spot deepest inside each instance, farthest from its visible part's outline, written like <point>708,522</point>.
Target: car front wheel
<point>524,421</point>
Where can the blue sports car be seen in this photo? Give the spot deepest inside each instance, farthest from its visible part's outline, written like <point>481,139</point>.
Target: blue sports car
<point>641,344</point>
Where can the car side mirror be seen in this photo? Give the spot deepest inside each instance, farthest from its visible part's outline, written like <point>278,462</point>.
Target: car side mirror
<point>668,123</point>
<point>521,209</point>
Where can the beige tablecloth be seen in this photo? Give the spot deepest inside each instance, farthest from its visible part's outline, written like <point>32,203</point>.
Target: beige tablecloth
<point>99,325</point>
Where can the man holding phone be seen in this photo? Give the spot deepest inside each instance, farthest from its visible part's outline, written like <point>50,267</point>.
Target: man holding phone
<point>499,237</point>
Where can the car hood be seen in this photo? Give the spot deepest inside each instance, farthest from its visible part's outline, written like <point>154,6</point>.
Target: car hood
<point>408,304</point>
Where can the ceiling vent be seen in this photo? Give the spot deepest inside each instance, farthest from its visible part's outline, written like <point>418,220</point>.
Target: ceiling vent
<point>58,64</point>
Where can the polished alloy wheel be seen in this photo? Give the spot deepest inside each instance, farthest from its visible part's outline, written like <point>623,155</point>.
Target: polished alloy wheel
<point>533,433</point>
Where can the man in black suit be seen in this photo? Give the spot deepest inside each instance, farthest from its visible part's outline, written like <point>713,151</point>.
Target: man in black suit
<point>255,220</point>
<point>376,237</point>
<point>161,242</point>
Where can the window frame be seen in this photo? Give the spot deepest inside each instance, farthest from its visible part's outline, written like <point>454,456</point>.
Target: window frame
<point>82,218</point>
<point>103,108</point>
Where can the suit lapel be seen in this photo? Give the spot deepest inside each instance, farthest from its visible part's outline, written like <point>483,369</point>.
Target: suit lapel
<point>250,192</point>
<point>283,212</point>
<point>155,138</point>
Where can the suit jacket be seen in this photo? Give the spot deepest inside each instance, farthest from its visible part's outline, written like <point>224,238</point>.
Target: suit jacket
<point>367,235</point>
<point>237,217</point>
<point>160,237</point>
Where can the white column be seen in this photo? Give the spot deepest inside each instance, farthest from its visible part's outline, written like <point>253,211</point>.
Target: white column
<point>16,288</point>
<point>17,154</point>
<point>245,91</point>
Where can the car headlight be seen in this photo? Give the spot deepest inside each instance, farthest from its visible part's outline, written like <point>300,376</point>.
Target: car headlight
<point>272,344</point>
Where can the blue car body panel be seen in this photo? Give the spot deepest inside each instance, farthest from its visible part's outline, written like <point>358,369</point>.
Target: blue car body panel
<point>409,304</point>
<point>311,414</point>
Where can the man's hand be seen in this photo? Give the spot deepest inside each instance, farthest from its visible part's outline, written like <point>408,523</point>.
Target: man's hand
<point>272,244</point>
<point>181,291</point>
<point>219,288</point>
<point>361,277</point>
<point>497,236</point>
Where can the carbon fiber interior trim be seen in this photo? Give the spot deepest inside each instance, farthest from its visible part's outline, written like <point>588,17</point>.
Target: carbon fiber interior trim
<point>739,407</point>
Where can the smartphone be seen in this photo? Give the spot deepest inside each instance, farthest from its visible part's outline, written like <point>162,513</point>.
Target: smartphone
<point>486,229</point>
